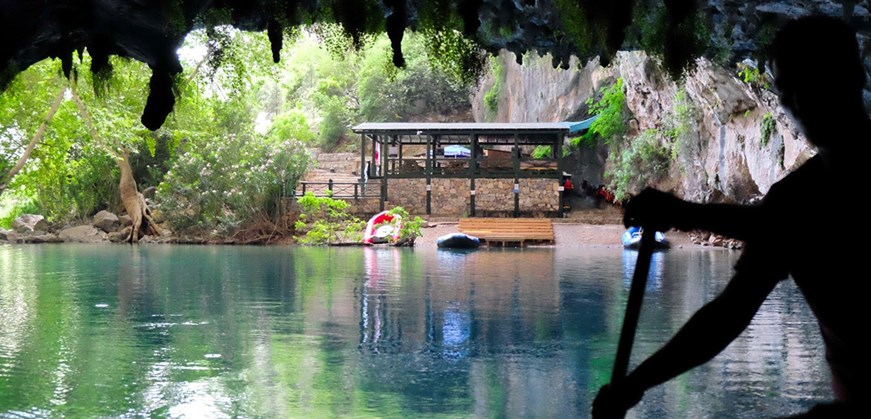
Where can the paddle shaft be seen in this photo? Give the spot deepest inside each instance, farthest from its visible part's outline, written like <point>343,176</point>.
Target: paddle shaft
<point>633,305</point>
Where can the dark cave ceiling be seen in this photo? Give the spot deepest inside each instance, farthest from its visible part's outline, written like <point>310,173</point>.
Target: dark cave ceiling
<point>152,30</point>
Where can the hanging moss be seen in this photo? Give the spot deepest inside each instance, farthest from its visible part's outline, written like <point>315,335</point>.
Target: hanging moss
<point>767,128</point>
<point>676,36</point>
<point>491,98</point>
<point>459,57</point>
<point>577,27</point>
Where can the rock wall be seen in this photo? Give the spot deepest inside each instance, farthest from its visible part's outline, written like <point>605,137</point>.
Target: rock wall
<point>728,160</point>
<point>731,160</point>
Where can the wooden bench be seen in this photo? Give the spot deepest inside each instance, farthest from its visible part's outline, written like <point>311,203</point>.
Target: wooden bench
<point>504,231</point>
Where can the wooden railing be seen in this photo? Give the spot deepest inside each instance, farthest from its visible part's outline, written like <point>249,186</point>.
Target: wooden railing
<point>338,189</point>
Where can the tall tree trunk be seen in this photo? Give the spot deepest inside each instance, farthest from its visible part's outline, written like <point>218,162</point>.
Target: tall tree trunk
<point>37,137</point>
<point>133,200</point>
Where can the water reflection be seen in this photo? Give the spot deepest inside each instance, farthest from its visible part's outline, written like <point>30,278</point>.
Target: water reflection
<point>373,332</point>
<point>654,275</point>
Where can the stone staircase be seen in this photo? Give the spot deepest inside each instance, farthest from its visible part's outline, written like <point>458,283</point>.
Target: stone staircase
<point>318,181</point>
<point>339,170</point>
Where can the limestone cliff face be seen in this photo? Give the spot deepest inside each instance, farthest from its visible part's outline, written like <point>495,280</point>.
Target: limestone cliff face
<point>730,160</point>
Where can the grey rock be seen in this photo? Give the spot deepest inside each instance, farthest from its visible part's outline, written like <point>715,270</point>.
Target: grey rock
<point>28,223</point>
<point>106,221</point>
<point>83,234</point>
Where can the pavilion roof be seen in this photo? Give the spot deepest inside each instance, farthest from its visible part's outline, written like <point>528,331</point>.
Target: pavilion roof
<point>466,128</point>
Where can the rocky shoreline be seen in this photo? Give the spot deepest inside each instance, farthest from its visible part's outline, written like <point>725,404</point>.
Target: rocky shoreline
<point>106,227</point>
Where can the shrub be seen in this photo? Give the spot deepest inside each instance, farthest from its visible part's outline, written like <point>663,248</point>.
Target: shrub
<point>410,228</point>
<point>223,184</point>
<point>13,206</point>
<point>645,156</point>
<point>324,220</point>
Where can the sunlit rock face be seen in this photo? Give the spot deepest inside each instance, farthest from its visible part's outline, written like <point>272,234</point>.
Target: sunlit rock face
<point>732,159</point>
<point>151,30</point>
<point>729,158</point>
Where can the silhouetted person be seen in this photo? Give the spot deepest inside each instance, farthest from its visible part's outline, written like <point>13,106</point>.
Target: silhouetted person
<point>819,77</point>
<point>568,191</point>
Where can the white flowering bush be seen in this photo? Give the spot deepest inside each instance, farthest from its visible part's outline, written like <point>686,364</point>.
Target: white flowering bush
<point>223,184</point>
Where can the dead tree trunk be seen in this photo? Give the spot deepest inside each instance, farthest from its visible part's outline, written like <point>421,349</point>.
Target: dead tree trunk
<point>133,200</point>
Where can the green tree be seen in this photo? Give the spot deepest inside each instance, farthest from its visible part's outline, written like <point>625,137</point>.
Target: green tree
<point>83,132</point>
<point>227,177</point>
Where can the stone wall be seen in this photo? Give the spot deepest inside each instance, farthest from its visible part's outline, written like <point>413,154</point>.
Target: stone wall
<point>407,193</point>
<point>451,197</point>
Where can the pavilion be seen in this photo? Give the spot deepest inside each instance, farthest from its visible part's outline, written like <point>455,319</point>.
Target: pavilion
<point>417,165</point>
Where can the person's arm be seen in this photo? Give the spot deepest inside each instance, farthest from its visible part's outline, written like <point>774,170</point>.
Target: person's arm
<point>661,211</point>
<point>742,222</point>
<point>705,334</point>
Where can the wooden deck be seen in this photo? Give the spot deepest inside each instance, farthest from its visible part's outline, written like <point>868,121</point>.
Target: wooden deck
<point>509,231</point>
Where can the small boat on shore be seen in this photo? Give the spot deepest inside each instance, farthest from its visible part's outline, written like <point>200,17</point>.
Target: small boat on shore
<point>383,227</point>
<point>458,241</point>
<point>632,239</point>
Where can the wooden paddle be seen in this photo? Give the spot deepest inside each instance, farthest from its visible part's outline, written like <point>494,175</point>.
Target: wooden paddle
<point>633,305</point>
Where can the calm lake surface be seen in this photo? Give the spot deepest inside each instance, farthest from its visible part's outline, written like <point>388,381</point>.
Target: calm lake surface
<point>292,332</point>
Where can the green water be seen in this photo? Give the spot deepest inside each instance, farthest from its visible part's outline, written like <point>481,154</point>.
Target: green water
<point>290,332</point>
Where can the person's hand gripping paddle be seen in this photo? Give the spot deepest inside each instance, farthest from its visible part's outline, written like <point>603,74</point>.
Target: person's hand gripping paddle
<point>633,306</point>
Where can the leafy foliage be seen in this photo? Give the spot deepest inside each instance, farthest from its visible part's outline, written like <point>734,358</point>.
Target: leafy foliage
<point>459,57</point>
<point>750,74</point>
<point>219,185</point>
<point>768,128</point>
<point>674,38</point>
<point>389,94</point>
<point>292,124</point>
<point>651,154</point>
<point>324,221</point>
<point>611,123</point>
<point>541,152</point>
<point>338,91</point>
<point>644,156</point>
<point>491,98</point>
<point>679,130</point>
<point>409,229</point>
<point>14,206</point>
<point>71,172</point>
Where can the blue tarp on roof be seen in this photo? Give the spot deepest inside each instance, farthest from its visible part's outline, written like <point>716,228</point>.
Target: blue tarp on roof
<point>576,127</point>
<point>457,151</point>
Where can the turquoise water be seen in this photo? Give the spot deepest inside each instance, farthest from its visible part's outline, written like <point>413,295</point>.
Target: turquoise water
<point>290,332</point>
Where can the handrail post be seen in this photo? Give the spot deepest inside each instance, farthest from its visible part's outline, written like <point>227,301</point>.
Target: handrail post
<point>330,186</point>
